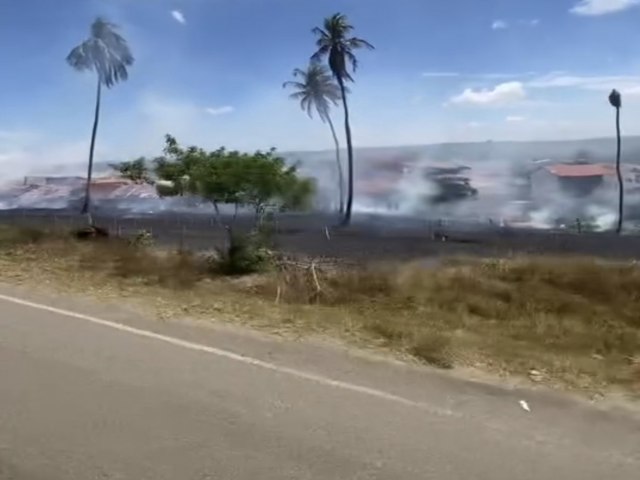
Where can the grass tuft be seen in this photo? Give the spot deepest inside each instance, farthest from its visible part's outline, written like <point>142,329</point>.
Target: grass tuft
<point>18,236</point>
<point>434,349</point>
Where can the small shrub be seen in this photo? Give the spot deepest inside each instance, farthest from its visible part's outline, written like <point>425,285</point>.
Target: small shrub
<point>143,238</point>
<point>246,254</point>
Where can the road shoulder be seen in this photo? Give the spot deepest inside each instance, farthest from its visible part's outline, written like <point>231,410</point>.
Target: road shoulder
<point>447,391</point>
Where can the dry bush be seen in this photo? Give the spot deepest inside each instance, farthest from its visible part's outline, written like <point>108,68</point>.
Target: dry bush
<point>310,282</point>
<point>517,310</point>
<point>17,236</point>
<point>122,258</point>
<point>433,348</point>
<point>175,269</point>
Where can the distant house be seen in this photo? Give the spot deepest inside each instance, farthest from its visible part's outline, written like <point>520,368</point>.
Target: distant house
<point>44,196</point>
<point>576,180</point>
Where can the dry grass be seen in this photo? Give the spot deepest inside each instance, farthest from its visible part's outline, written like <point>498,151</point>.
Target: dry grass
<point>574,320</point>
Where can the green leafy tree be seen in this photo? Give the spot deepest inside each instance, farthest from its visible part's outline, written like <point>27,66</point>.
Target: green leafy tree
<point>258,180</point>
<point>175,167</point>
<point>615,99</point>
<point>107,54</point>
<point>335,43</point>
<point>134,170</point>
<point>315,89</point>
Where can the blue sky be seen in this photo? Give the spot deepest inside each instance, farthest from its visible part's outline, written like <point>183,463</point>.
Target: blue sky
<point>211,73</point>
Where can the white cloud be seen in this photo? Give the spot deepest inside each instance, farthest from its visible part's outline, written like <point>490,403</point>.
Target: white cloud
<point>178,16</point>
<point>503,94</point>
<point>601,83</point>
<point>219,110</point>
<point>484,76</point>
<point>602,7</point>
<point>499,25</point>
<point>515,119</point>
<point>474,124</point>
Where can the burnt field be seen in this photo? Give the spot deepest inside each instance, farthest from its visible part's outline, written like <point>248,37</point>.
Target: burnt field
<point>371,237</point>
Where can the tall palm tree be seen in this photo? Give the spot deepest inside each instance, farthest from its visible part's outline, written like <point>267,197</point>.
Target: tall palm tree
<point>333,42</point>
<point>615,99</point>
<point>106,53</point>
<point>316,90</point>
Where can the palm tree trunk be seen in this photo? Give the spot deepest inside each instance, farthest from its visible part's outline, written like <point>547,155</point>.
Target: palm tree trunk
<point>347,130</point>
<point>619,174</point>
<point>338,163</point>
<point>86,207</point>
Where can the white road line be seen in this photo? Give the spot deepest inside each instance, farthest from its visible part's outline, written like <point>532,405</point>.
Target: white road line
<point>533,439</point>
<point>319,379</point>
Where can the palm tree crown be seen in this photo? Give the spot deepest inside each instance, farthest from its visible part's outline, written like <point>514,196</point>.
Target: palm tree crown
<point>315,89</point>
<point>334,41</point>
<point>105,51</point>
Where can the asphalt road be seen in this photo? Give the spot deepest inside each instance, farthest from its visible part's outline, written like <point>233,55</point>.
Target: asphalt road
<point>83,398</point>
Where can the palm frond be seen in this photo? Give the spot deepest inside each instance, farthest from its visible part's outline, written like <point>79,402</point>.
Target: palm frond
<point>292,84</point>
<point>352,59</point>
<point>327,23</point>
<point>298,95</point>
<point>323,51</point>
<point>106,52</point>
<point>320,33</point>
<point>298,72</point>
<point>79,57</point>
<point>307,105</point>
<point>357,43</point>
<point>316,90</point>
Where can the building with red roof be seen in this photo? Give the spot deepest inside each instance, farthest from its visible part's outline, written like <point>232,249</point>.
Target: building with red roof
<point>572,179</point>
<point>565,170</point>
